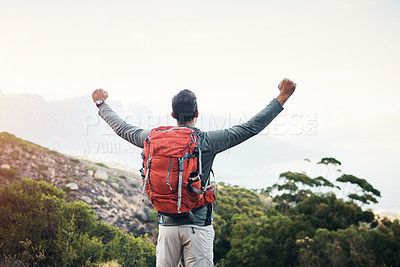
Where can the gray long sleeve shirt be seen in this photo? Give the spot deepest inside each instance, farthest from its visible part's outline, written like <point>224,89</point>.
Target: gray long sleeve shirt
<point>211,143</point>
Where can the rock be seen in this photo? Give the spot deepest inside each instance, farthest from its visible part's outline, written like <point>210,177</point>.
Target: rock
<point>5,166</point>
<point>90,172</point>
<point>103,183</point>
<point>147,201</point>
<point>144,214</point>
<point>93,191</point>
<point>52,172</point>
<point>114,185</point>
<point>72,186</point>
<point>86,199</point>
<point>114,211</point>
<point>100,174</point>
<point>131,213</point>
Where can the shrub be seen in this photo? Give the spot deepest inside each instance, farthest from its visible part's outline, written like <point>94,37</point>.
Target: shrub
<point>113,263</point>
<point>153,215</point>
<point>67,234</point>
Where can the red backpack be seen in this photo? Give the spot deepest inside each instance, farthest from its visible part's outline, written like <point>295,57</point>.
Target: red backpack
<point>172,171</point>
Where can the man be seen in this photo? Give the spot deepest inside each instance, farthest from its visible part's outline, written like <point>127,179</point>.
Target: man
<point>180,239</point>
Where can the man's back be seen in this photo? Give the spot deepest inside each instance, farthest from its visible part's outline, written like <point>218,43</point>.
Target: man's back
<point>211,143</point>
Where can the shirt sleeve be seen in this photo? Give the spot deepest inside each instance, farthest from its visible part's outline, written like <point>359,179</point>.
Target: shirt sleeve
<point>132,134</point>
<point>220,140</point>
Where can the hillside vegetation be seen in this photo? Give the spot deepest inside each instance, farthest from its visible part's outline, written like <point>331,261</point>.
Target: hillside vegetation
<point>114,194</point>
<point>38,227</point>
<point>298,221</point>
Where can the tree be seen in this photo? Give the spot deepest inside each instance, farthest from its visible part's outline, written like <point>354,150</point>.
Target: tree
<point>330,164</point>
<point>326,211</point>
<point>294,189</point>
<point>328,161</point>
<point>365,193</point>
<point>384,241</point>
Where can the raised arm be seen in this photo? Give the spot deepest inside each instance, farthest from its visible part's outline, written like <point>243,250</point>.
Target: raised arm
<point>221,140</point>
<point>131,133</point>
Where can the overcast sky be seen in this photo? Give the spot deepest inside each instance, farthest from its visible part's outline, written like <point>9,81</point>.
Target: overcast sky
<point>343,54</point>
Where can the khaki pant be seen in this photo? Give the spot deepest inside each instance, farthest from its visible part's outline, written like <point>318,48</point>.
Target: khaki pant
<point>189,245</point>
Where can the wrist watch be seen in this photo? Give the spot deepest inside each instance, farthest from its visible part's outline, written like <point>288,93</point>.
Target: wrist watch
<point>99,102</point>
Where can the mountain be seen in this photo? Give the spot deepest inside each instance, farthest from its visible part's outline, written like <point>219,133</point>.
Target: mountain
<point>113,193</point>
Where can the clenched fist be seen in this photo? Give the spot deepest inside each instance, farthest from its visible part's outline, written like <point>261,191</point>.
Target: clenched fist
<point>99,94</point>
<point>286,88</point>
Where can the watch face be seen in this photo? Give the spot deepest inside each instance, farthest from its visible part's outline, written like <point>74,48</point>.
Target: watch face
<point>99,102</point>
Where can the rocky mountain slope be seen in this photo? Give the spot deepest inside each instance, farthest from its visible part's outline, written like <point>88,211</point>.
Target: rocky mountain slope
<point>114,193</point>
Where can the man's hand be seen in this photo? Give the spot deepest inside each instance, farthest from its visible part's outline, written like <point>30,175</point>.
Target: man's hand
<point>286,88</point>
<point>99,94</point>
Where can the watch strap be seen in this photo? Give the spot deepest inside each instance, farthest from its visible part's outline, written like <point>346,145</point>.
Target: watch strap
<point>99,103</point>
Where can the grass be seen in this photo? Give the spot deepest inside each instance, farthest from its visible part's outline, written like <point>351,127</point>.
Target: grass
<point>101,201</point>
<point>120,189</point>
<point>11,139</point>
<point>101,164</point>
<point>115,179</point>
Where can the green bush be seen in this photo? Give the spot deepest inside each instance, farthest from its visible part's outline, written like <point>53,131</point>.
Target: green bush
<point>38,226</point>
<point>153,215</point>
